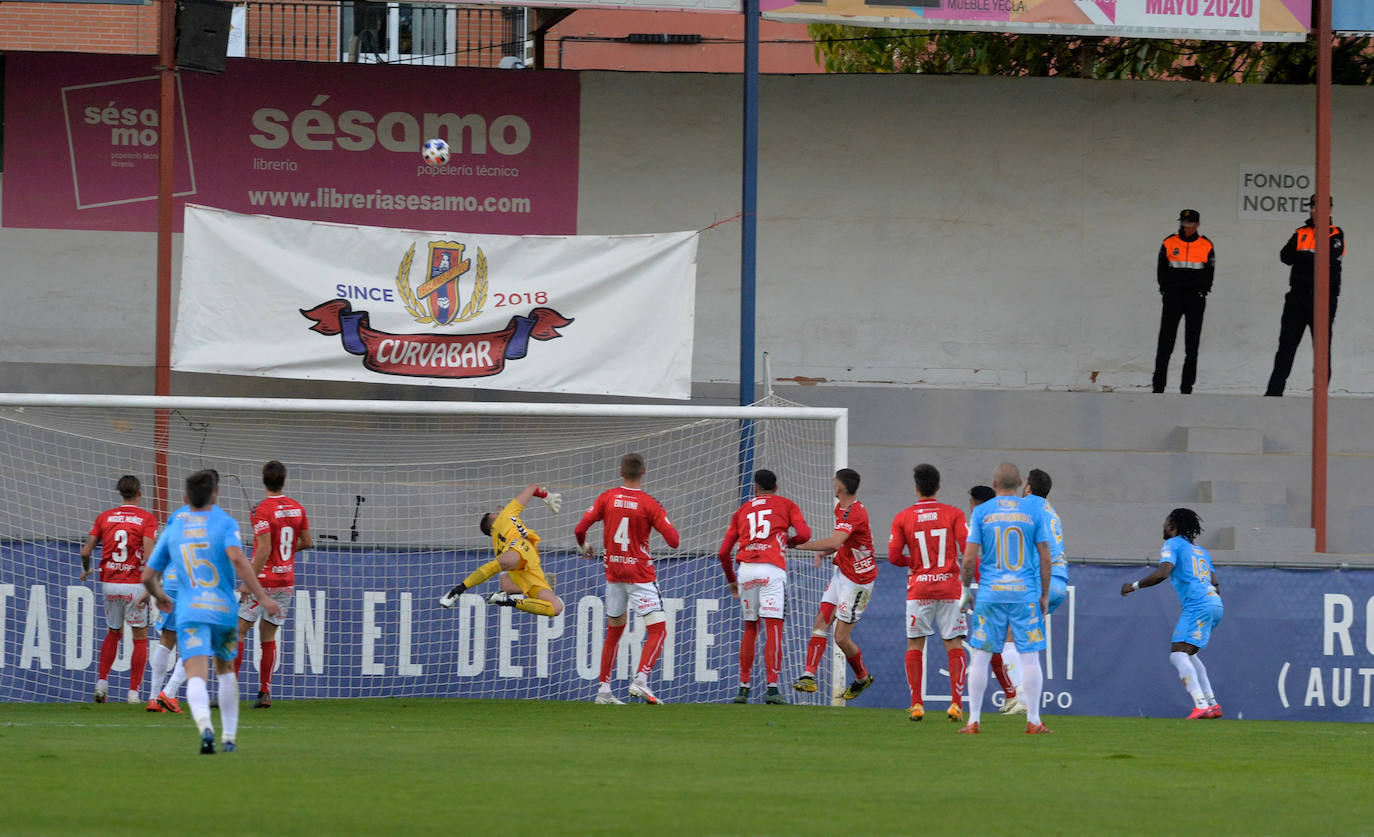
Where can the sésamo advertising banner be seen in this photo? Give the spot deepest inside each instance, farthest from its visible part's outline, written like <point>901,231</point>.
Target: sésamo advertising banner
<point>1255,20</point>
<point>330,142</point>
<point>605,315</point>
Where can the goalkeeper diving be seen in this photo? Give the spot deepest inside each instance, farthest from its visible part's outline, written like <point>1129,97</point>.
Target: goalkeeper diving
<point>523,585</point>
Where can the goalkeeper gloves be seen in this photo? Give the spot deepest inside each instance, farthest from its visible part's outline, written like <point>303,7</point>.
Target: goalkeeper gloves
<point>552,499</point>
<point>969,599</point>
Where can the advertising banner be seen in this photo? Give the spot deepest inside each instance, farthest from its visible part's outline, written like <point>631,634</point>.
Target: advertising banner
<point>1352,16</point>
<point>1217,20</point>
<point>327,142</point>
<point>282,298</point>
<point>1293,645</point>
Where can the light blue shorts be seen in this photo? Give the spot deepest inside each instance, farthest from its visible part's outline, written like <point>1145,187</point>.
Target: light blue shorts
<point>198,639</point>
<point>988,629</point>
<point>1059,591</point>
<point>166,621</point>
<point>1196,622</point>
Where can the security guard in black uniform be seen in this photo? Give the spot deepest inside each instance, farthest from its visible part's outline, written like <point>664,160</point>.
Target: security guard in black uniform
<point>1299,305</point>
<point>1187,264</point>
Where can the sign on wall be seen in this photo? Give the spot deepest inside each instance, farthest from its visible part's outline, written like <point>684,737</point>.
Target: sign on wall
<point>1219,20</point>
<point>1275,193</point>
<point>1293,644</point>
<point>1352,16</point>
<point>284,298</point>
<point>329,142</point>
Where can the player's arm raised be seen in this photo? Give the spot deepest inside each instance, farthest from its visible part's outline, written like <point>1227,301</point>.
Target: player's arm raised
<point>552,499</point>
<point>88,549</point>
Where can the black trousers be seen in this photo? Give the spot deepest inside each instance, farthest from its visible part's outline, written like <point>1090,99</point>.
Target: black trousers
<point>1298,310</point>
<point>1179,304</point>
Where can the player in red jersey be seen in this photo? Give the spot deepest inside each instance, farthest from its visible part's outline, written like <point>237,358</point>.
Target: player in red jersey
<point>628,515</point>
<point>929,538</point>
<point>125,534</point>
<point>280,530</point>
<point>761,527</point>
<point>851,585</point>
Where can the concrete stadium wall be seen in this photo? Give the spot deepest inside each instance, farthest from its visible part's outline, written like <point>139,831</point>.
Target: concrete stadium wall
<point>933,231</point>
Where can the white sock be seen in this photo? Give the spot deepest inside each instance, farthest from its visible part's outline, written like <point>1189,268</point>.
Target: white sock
<point>229,705</point>
<point>173,684</point>
<point>1011,663</point>
<point>977,683</point>
<point>1202,681</point>
<point>160,655</point>
<point>1033,680</point>
<point>102,685</point>
<point>198,698</point>
<point>1188,675</point>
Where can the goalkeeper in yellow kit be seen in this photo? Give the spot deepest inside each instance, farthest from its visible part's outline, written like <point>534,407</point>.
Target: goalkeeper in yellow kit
<point>523,585</point>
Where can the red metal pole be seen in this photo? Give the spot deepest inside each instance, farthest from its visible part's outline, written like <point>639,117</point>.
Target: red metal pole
<point>1321,330</point>
<point>162,384</point>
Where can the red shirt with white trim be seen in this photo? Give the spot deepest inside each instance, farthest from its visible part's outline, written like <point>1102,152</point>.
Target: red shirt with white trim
<point>628,516</point>
<point>855,556</point>
<point>284,519</point>
<point>929,538</point>
<point>760,527</point>
<point>121,531</point>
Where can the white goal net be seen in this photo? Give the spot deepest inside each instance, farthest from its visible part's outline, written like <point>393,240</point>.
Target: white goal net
<point>394,492</point>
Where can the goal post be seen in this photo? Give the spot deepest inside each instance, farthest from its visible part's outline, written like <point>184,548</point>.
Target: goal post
<point>394,491</point>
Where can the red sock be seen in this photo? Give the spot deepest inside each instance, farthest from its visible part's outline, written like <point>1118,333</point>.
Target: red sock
<point>913,674</point>
<point>238,661</point>
<point>856,662</point>
<point>653,645</point>
<point>138,663</point>
<point>109,649</point>
<point>609,649</point>
<point>269,659</point>
<point>958,666</point>
<point>748,642</point>
<point>772,650</point>
<point>1003,680</point>
<point>815,650</point>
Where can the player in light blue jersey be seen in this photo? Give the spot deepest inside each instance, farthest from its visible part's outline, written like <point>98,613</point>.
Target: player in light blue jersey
<point>1038,485</point>
<point>1008,543</point>
<point>205,546</point>
<point>164,695</point>
<point>1189,569</point>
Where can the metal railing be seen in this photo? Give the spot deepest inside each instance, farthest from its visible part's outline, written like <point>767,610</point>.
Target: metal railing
<point>382,33</point>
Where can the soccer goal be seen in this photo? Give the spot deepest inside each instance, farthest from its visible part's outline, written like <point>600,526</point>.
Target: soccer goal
<point>394,492</point>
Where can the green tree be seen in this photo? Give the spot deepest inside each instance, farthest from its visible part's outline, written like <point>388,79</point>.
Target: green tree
<point>852,49</point>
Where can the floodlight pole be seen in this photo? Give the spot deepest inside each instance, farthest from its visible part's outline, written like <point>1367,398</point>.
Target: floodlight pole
<point>748,237</point>
<point>166,116</point>
<point>1321,281</point>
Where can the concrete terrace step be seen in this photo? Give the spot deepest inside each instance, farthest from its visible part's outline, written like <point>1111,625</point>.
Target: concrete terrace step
<point>1128,530</point>
<point>1221,440</point>
<point>1256,539</point>
<point>1237,491</point>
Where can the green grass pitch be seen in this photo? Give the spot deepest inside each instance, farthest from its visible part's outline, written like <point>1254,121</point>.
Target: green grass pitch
<point>454,767</point>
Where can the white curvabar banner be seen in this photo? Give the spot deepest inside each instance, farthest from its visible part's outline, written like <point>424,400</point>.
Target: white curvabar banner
<point>285,298</point>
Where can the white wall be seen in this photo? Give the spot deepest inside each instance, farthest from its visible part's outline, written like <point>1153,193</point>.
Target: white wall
<point>949,231</point>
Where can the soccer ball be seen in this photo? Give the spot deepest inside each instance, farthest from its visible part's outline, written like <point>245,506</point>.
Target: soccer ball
<point>435,152</point>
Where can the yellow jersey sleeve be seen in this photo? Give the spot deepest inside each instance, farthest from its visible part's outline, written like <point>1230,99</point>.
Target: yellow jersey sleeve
<point>508,528</point>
